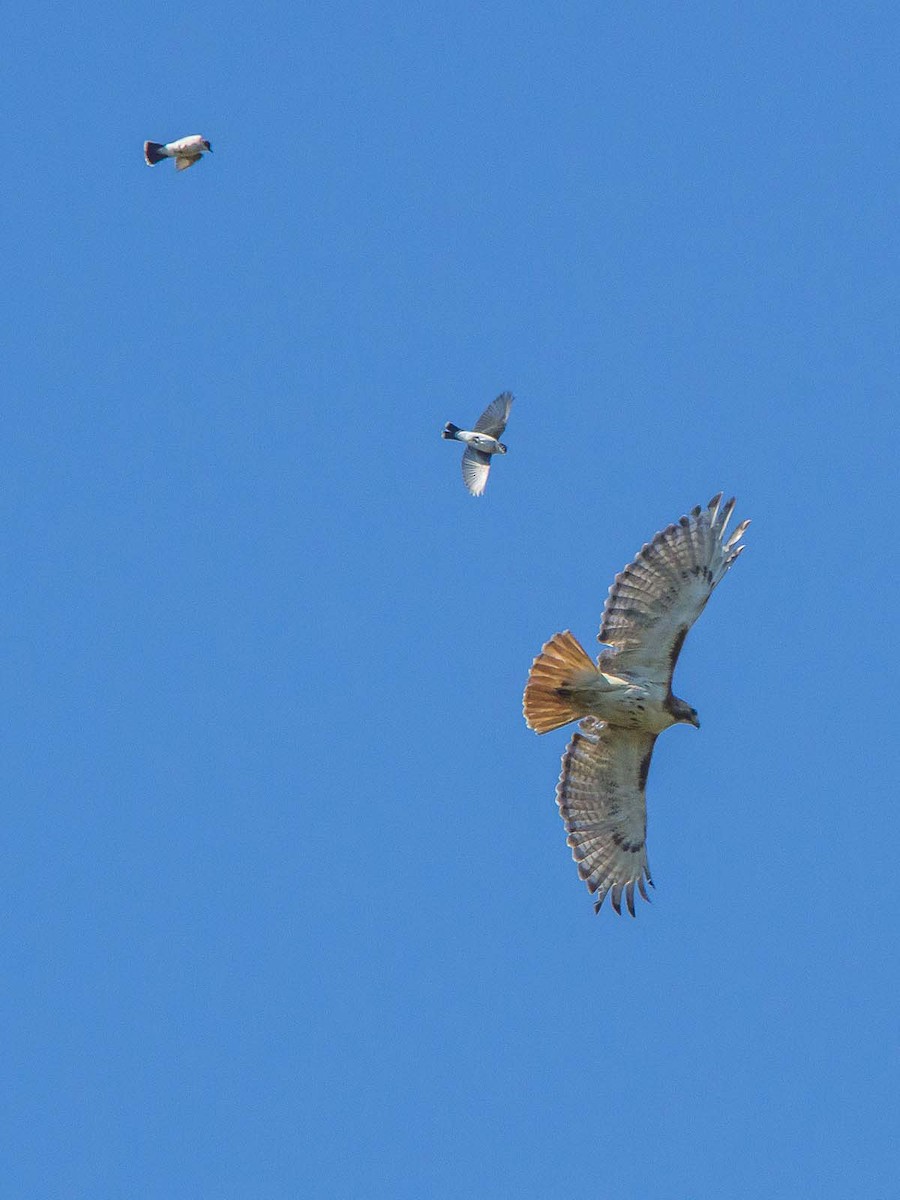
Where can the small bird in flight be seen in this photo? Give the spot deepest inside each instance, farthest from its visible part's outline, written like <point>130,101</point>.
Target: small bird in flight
<point>481,442</point>
<point>186,151</point>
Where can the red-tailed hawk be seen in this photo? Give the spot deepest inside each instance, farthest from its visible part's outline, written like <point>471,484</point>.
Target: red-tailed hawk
<point>626,700</point>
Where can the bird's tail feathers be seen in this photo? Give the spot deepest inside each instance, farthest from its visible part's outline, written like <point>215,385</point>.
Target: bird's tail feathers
<point>152,153</point>
<point>550,700</point>
<point>450,430</point>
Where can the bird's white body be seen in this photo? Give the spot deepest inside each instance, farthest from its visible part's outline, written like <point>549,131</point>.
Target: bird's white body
<point>624,703</point>
<point>186,151</point>
<point>481,441</point>
<point>195,143</point>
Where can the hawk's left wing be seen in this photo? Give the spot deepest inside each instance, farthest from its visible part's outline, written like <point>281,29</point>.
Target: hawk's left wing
<point>601,800</point>
<point>183,161</point>
<point>493,420</point>
<point>653,603</point>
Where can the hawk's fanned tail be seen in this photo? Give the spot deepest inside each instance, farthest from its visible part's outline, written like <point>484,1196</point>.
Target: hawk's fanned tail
<point>561,663</point>
<point>601,801</point>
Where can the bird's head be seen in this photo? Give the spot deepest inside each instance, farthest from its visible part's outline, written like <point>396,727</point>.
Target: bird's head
<point>683,713</point>
<point>501,447</point>
<point>206,146</point>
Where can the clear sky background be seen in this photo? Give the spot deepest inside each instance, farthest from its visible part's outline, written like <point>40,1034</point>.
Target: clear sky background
<point>287,905</point>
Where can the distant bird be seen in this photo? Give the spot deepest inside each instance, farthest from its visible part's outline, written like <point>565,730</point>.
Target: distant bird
<point>481,442</point>
<point>626,699</point>
<point>186,151</point>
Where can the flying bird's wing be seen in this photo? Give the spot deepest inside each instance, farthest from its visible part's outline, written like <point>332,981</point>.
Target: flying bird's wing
<point>475,467</point>
<point>493,420</point>
<point>653,603</point>
<point>183,161</point>
<point>601,800</point>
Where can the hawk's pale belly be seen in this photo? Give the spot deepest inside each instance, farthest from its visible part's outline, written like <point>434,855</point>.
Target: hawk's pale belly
<point>624,703</point>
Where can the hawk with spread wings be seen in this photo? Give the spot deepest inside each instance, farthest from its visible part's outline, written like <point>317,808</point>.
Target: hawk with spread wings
<point>625,700</point>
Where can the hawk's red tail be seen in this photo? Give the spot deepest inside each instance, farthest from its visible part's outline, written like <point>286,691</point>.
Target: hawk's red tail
<point>548,702</point>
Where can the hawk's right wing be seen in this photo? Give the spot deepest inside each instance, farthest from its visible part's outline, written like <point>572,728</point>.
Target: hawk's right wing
<point>183,161</point>
<point>601,800</point>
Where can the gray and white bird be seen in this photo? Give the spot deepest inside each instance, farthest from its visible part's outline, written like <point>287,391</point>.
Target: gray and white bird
<point>481,442</point>
<point>186,151</point>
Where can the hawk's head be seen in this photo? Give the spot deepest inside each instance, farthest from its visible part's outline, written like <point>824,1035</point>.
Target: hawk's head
<point>683,713</point>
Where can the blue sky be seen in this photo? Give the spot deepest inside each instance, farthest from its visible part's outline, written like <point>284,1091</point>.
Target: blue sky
<point>288,909</point>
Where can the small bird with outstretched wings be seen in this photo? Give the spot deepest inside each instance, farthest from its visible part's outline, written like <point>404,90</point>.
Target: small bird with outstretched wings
<point>625,701</point>
<point>482,442</point>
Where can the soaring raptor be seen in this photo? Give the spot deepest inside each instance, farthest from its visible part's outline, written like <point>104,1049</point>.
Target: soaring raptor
<point>626,700</point>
